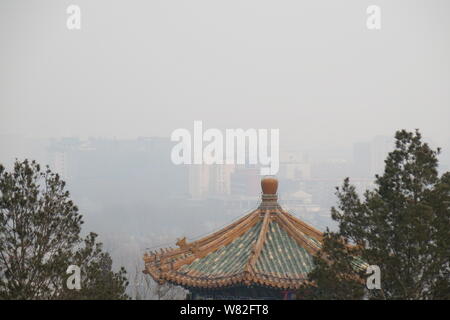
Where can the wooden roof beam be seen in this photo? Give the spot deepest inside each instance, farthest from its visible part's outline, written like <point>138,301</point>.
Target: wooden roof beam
<point>259,244</point>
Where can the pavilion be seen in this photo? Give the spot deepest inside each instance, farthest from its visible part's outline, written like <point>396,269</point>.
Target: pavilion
<point>266,254</point>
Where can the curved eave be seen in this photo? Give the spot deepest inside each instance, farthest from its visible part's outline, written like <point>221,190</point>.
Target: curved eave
<point>244,278</point>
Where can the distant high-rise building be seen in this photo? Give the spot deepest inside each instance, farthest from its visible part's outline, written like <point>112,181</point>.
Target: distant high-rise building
<point>245,181</point>
<point>220,179</point>
<point>198,180</point>
<point>60,152</point>
<point>110,168</point>
<point>294,166</point>
<point>368,157</point>
<point>380,146</point>
<point>60,164</point>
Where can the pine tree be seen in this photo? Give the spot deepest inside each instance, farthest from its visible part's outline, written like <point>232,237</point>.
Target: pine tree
<point>402,226</point>
<point>40,237</point>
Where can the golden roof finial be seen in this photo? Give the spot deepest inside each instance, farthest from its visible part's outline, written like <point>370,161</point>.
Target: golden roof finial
<point>269,185</point>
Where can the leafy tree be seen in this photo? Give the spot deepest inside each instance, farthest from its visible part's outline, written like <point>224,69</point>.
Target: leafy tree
<point>402,225</point>
<point>40,237</point>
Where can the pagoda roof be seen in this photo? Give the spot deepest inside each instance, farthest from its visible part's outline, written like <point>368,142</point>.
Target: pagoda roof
<point>268,247</point>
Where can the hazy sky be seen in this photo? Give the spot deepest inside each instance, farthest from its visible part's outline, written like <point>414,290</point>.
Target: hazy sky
<point>144,68</point>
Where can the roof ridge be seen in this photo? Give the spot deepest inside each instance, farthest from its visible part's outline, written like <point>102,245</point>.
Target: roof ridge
<point>303,226</point>
<point>258,245</point>
<point>299,237</point>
